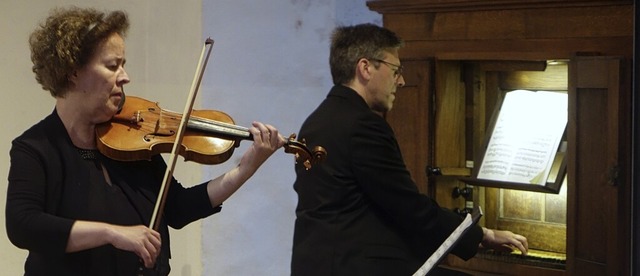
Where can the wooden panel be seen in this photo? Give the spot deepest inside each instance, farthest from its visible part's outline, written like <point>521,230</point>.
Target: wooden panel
<point>531,33</point>
<point>527,213</point>
<point>513,65</point>
<point>553,78</point>
<point>481,267</point>
<point>450,143</point>
<point>552,23</point>
<point>590,180</point>
<point>413,6</point>
<point>530,49</point>
<point>598,195</point>
<point>556,207</point>
<point>450,115</point>
<point>410,118</point>
<point>521,205</point>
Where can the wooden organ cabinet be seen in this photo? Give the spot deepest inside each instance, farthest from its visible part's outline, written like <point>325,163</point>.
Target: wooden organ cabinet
<point>460,57</point>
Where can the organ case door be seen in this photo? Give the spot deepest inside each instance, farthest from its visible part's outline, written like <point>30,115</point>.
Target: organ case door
<point>599,200</point>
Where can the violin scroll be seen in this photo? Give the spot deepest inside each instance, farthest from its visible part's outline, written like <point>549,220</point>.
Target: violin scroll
<point>302,153</point>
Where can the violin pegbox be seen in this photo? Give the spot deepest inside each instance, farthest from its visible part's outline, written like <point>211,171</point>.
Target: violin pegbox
<point>302,153</point>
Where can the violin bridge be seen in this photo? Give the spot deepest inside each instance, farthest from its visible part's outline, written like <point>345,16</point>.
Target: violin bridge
<point>136,118</point>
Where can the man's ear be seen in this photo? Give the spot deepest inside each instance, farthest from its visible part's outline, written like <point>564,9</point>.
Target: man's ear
<point>363,69</point>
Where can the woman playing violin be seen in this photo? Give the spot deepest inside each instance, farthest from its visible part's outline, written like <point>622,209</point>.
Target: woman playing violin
<point>75,210</point>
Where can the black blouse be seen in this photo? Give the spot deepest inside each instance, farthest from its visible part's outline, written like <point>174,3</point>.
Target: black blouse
<point>97,200</point>
<point>52,184</point>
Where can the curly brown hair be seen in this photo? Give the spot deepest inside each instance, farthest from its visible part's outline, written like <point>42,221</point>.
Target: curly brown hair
<point>67,40</point>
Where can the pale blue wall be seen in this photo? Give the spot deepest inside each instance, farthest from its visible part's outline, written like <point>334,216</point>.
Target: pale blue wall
<point>269,63</point>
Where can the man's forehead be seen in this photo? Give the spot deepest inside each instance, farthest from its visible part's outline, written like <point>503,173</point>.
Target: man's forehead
<point>391,54</point>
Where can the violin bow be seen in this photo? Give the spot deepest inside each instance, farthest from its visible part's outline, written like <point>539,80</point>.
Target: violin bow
<point>159,207</point>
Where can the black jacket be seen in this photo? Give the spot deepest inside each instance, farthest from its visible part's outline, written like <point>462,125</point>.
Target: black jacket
<point>359,211</point>
<point>44,161</point>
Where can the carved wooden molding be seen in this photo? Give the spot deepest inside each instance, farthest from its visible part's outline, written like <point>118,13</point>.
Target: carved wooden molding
<point>421,6</point>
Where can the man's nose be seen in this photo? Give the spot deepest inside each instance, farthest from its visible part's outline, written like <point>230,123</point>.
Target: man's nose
<point>400,81</point>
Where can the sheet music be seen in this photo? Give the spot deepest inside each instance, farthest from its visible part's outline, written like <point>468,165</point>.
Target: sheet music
<point>449,243</point>
<point>526,137</point>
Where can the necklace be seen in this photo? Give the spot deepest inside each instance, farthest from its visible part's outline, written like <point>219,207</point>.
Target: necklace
<point>88,154</point>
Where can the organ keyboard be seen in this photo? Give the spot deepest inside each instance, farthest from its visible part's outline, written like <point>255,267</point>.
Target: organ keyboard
<point>534,258</point>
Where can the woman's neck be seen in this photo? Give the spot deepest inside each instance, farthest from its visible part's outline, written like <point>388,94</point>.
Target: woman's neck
<point>79,127</point>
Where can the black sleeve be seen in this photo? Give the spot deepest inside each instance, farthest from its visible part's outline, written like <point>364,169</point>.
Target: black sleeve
<point>184,204</point>
<point>28,224</point>
<point>381,170</point>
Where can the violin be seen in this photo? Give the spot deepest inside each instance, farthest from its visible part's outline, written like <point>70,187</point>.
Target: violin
<point>142,129</point>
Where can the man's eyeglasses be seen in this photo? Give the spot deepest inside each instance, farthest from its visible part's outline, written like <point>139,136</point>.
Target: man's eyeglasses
<point>397,69</point>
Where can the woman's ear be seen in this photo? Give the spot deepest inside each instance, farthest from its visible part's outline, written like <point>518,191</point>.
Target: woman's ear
<point>73,77</point>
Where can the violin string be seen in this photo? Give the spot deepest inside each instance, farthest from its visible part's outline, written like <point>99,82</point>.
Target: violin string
<point>219,128</point>
<point>206,124</point>
<point>221,124</point>
<point>177,116</point>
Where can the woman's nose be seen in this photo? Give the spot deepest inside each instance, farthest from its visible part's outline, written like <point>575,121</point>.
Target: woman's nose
<point>124,77</point>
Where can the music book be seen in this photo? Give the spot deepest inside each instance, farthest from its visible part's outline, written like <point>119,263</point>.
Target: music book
<point>526,137</point>
<point>450,242</point>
